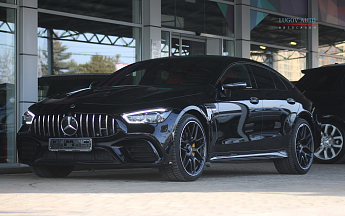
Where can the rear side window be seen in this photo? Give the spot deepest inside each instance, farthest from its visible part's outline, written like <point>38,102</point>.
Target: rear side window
<point>279,84</point>
<point>263,77</point>
<point>325,80</point>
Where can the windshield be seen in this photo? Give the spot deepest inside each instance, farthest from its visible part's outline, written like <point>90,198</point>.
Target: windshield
<point>170,71</point>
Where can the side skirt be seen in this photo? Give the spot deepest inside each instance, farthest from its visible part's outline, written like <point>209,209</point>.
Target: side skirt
<point>271,155</point>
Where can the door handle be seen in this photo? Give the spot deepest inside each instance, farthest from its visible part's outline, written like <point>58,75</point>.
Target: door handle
<point>254,100</point>
<point>291,101</point>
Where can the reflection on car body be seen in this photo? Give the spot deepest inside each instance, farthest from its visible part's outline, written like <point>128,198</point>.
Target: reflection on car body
<point>175,114</point>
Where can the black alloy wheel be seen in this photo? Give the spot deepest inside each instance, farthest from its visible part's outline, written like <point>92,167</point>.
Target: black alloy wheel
<point>304,147</point>
<point>300,150</point>
<point>189,151</point>
<point>331,149</point>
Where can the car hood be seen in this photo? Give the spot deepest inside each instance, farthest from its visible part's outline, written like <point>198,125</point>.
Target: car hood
<point>85,100</point>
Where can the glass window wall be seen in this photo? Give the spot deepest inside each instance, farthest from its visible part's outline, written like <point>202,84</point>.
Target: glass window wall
<point>292,7</point>
<point>287,62</point>
<point>7,85</point>
<point>8,1</point>
<point>165,44</point>
<point>265,28</point>
<point>228,48</point>
<point>75,46</point>
<point>331,45</point>
<point>129,11</point>
<point>332,11</point>
<point>199,16</point>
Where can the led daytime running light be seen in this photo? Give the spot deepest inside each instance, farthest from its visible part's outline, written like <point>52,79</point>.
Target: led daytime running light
<point>28,117</point>
<point>146,116</point>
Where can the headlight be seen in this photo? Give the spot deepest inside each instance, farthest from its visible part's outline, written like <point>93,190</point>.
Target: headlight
<point>147,116</point>
<point>28,117</point>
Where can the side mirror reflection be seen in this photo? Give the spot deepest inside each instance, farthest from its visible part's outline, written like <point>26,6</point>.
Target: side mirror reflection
<point>235,85</point>
<point>93,84</point>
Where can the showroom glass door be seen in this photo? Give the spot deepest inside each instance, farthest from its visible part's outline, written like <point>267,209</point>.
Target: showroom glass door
<point>7,85</point>
<point>185,46</point>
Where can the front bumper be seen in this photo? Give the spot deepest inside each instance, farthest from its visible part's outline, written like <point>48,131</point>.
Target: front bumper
<point>135,145</point>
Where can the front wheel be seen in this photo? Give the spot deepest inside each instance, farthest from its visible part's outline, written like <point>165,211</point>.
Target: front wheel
<point>300,151</point>
<point>188,151</point>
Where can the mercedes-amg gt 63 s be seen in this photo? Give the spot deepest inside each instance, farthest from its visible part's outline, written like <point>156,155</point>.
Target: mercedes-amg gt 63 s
<point>176,114</point>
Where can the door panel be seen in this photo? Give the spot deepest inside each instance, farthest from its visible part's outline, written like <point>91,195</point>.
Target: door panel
<point>277,103</point>
<point>239,122</point>
<point>239,113</point>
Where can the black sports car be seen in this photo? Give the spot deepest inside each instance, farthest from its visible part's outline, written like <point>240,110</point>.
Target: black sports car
<point>176,114</point>
<point>325,86</point>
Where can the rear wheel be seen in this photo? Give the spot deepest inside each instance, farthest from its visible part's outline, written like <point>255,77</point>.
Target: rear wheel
<point>300,151</point>
<point>331,149</point>
<point>48,171</point>
<point>188,151</point>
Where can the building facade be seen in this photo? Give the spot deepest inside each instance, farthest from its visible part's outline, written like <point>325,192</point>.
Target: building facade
<point>45,37</point>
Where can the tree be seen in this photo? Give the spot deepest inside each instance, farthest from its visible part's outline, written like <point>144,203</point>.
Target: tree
<point>60,63</point>
<point>99,64</point>
<point>7,64</point>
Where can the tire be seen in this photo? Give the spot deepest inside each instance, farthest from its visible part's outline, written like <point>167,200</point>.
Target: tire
<point>300,150</point>
<point>188,151</point>
<point>47,171</point>
<point>331,149</point>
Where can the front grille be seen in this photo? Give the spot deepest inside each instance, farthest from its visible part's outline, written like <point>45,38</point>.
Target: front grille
<point>89,125</point>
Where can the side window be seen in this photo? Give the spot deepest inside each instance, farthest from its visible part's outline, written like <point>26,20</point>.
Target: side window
<point>263,77</point>
<point>279,84</point>
<point>236,73</point>
<point>287,83</point>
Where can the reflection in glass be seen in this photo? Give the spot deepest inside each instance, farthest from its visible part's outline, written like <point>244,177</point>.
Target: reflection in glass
<point>175,46</point>
<point>190,47</point>
<point>7,85</point>
<point>331,42</point>
<point>72,46</point>
<point>129,11</point>
<point>199,16</point>
<point>8,1</point>
<point>228,48</point>
<point>265,28</point>
<point>326,60</point>
<point>287,62</point>
<point>165,44</point>
<point>296,8</point>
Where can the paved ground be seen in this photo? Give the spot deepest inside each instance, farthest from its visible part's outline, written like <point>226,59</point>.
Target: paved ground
<point>223,189</point>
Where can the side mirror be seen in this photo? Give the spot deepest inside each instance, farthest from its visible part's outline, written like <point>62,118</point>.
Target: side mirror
<point>94,83</point>
<point>234,85</point>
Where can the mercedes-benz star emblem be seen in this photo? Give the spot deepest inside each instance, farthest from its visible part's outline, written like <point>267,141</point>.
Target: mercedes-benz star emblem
<point>69,125</point>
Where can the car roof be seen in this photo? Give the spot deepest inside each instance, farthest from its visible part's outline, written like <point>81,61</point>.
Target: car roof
<point>324,68</point>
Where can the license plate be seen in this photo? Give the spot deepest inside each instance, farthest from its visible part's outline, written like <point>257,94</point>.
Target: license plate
<point>70,144</point>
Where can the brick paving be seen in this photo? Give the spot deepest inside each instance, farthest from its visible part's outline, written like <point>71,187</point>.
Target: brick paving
<point>223,189</point>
